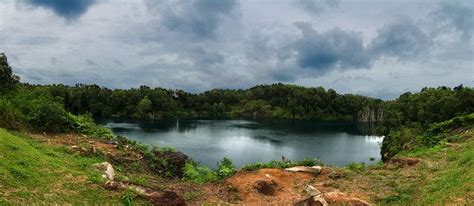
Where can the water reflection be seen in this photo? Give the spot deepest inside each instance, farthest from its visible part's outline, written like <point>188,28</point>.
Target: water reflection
<point>245,141</point>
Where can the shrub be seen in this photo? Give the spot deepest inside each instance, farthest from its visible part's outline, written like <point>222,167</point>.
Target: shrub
<point>84,124</point>
<point>198,174</point>
<point>225,168</point>
<point>9,115</point>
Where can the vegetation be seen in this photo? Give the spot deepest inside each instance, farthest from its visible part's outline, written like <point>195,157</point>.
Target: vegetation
<point>265,101</point>
<point>33,173</point>
<point>201,174</point>
<point>418,138</point>
<point>282,164</point>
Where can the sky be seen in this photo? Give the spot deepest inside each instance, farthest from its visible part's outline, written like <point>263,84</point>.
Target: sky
<point>375,48</point>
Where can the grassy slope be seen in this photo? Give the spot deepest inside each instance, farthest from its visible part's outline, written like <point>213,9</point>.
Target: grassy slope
<point>445,175</point>
<point>32,172</point>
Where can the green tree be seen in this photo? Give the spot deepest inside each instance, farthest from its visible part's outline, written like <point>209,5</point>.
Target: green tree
<point>144,107</point>
<point>7,79</point>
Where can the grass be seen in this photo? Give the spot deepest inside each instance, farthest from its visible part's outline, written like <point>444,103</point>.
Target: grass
<point>445,176</point>
<point>35,173</point>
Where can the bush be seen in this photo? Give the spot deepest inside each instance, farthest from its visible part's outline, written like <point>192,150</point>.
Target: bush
<point>84,124</point>
<point>199,174</point>
<point>49,117</point>
<point>9,115</point>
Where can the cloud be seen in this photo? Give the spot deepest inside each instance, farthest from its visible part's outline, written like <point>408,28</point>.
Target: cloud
<point>402,40</point>
<point>317,6</point>
<point>198,18</point>
<point>457,15</point>
<point>332,49</point>
<point>69,9</point>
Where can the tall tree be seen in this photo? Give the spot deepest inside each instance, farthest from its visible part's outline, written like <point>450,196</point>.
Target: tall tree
<point>7,79</point>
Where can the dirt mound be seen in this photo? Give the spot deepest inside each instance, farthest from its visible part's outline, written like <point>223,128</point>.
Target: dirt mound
<point>287,187</point>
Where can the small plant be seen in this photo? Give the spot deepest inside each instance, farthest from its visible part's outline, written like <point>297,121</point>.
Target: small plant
<point>128,197</point>
<point>198,174</point>
<point>357,167</point>
<point>225,168</point>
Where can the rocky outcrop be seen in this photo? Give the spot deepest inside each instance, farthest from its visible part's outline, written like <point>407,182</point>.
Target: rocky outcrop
<point>107,170</point>
<point>168,162</point>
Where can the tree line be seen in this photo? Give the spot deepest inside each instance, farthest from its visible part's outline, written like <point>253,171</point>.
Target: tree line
<point>264,101</point>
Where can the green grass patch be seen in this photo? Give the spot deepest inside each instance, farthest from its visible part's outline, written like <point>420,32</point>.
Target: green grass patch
<point>32,173</point>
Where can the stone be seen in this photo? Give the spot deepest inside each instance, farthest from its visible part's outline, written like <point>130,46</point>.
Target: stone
<point>313,169</point>
<point>312,201</point>
<point>168,198</point>
<point>175,162</point>
<point>339,198</point>
<point>312,191</point>
<point>107,169</point>
<point>265,187</point>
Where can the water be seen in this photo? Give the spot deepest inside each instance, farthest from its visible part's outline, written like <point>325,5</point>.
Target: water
<point>248,141</point>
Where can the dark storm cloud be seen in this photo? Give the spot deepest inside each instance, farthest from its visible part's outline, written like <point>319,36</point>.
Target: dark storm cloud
<point>402,40</point>
<point>69,9</point>
<point>460,16</point>
<point>333,49</point>
<point>199,18</point>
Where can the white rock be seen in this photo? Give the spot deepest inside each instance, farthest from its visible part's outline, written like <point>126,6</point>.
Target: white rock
<point>313,169</point>
<point>107,169</point>
<point>312,191</point>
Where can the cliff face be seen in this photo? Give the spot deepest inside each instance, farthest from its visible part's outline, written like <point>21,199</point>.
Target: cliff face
<point>369,114</point>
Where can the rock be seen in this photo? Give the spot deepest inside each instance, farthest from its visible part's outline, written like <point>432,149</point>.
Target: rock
<point>312,191</point>
<point>168,198</point>
<point>107,169</point>
<point>313,169</point>
<point>169,162</point>
<point>312,201</point>
<point>265,187</point>
<point>112,185</point>
<point>339,198</point>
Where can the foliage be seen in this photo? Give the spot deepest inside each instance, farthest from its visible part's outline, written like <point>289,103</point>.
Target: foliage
<point>264,101</point>
<point>128,196</point>
<point>417,137</point>
<point>281,164</point>
<point>7,79</point>
<point>201,174</point>
<point>357,167</point>
<point>84,124</point>
<point>225,168</point>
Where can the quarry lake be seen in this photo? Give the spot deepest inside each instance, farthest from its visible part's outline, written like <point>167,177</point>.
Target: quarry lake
<point>247,141</point>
